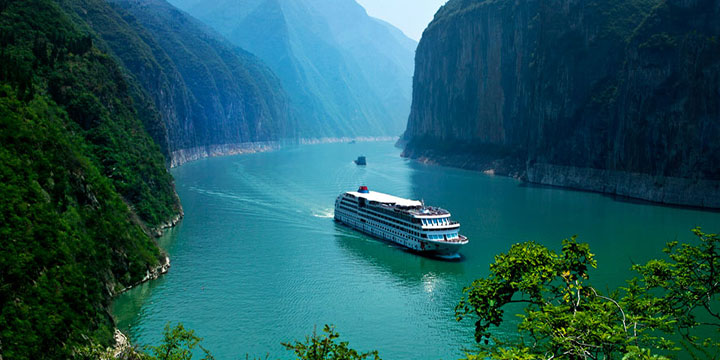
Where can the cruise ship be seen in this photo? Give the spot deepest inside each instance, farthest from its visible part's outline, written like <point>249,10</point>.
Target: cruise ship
<point>405,222</point>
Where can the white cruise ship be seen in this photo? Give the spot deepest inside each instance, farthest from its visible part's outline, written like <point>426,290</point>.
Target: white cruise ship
<point>405,222</point>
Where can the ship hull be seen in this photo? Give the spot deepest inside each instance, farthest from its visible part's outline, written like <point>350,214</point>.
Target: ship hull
<point>426,247</point>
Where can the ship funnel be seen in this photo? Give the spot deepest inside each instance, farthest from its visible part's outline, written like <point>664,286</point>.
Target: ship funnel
<point>363,190</point>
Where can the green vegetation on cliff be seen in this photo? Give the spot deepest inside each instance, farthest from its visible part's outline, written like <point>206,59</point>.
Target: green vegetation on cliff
<point>68,240</point>
<point>44,52</point>
<point>80,179</point>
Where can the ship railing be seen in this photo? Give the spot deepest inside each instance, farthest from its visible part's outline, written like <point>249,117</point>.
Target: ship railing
<point>434,226</point>
<point>459,239</point>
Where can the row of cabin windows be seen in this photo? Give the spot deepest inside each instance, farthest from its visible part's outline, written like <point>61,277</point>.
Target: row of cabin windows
<point>346,208</point>
<point>440,237</point>
<point>452,235</point>
<point>426,222</point>
<point>390,221</point>
<point>396,227</point>
<point>441,221</point>
<point>343,206</point>
<point>401,234</point>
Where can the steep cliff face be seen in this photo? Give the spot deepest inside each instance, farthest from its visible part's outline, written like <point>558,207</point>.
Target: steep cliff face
<point>214,98</point>
<point>617,96</point>
<point>346,74</point>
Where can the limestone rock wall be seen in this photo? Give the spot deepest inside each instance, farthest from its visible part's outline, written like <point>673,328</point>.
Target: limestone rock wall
<point>617,96</point>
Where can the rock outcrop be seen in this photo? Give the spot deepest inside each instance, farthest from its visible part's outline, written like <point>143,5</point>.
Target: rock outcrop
<point>183,156</point>
<point>616,96</point>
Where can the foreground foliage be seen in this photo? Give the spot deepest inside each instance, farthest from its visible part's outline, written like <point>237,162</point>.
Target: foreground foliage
<point>562,315</point>
<point>325,347</point>
<point>178,344</point>
<point>685,288</point>
<point>673,304</point>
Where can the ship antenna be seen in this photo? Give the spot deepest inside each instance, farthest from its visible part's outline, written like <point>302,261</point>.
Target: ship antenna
<point>422,201</point>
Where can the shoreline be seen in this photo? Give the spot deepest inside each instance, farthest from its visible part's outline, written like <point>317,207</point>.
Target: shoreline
<point>657,190</point>
<point>122,347</point>
<point>331,140</point>
<point>183,156</point>
<point>150,274</point>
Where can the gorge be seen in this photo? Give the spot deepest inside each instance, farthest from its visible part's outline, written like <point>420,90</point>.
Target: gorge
<point>102,101</point>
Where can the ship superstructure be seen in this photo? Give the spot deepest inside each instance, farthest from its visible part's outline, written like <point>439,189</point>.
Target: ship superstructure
<point>405,222</point>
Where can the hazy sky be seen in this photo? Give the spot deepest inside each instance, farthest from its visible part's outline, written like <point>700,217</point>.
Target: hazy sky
<point>410,16</point>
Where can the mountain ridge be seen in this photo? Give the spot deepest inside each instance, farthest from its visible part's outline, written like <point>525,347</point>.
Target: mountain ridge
<point>215,98</point>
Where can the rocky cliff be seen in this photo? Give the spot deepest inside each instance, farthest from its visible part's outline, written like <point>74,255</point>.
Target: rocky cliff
<point>213,97</point>
<point>616,96</point>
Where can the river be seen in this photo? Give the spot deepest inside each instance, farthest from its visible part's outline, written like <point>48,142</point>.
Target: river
<point>258,259</point>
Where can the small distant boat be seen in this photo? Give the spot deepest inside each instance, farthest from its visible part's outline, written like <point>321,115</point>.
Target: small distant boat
<point>361,160</point>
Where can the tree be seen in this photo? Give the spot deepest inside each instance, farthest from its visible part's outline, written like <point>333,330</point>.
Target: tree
<point>686,287</point>
<point>177,344</point>
<point>562,315</point>
<point>324,347</point>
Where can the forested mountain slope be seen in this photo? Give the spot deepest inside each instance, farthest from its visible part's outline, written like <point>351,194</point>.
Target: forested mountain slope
<point>81,181</point>
<point>213,97</point>
<point>613,96</point>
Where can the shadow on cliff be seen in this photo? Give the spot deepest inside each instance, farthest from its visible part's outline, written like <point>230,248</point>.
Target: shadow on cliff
<point>408,266</point>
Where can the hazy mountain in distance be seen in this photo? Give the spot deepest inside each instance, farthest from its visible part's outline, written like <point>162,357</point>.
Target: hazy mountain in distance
<point>346,73</point>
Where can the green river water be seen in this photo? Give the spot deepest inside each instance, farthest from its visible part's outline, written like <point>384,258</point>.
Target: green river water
<point>258,259</point>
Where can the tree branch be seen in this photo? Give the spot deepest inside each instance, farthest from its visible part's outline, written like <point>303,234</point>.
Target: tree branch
<point>616,304</point>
